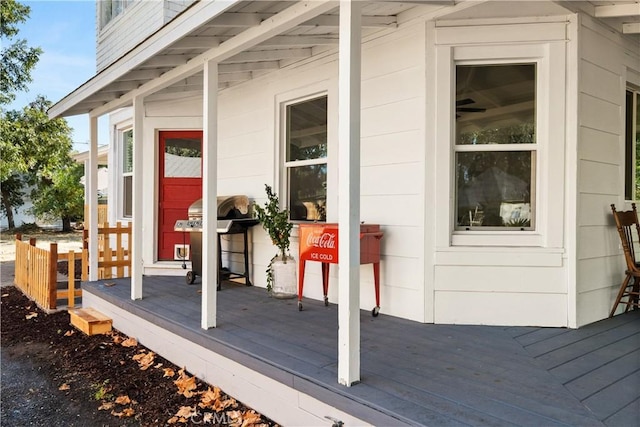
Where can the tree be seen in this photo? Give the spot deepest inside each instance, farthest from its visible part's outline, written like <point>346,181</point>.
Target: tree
<point>18,59</point>
<point>36,152</point>
<point>61,195</point>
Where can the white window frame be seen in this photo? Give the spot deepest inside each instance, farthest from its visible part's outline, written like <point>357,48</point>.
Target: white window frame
<point>497,147</point>
<point>286,165</point>
<point>632,161</point>
<point>550,137</point>
<point>120,132</point>
<point>109,10</point>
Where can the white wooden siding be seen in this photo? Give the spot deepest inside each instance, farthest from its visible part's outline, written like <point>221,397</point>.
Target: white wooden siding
<point>494,278</point>
<point>138,21</point>
<point>392,158</point>
<point>603,57</point>
<point>522,309</point>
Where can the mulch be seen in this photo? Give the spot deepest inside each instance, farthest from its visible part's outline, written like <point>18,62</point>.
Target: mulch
<point>104,377</point>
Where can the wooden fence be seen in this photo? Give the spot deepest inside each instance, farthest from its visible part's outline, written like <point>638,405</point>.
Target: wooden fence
<point>36,269</point>
<point>102,215</point>
<point>114,259</point>
<point>36,273</point>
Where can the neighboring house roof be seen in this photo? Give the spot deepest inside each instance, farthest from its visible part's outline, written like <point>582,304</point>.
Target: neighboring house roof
<point>103,155</point>
<point>250,38</point>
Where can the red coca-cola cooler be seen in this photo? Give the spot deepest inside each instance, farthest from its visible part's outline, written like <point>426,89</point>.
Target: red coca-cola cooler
<point>319,242</point>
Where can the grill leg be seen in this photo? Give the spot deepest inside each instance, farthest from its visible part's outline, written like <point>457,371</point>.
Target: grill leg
<point>219,262</point>
<point>246,258</point>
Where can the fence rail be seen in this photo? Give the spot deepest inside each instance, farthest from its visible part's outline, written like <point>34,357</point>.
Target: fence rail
<point>113,259</point>
<point>36,269</point>
<point>36,273</point>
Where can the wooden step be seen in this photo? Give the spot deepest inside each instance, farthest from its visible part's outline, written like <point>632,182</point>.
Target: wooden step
<point>90,321</point>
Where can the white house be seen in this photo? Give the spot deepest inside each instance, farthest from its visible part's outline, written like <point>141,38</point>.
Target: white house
<point>487,138</point>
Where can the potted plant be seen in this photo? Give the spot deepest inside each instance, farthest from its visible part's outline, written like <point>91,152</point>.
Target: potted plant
<point>281,272</point>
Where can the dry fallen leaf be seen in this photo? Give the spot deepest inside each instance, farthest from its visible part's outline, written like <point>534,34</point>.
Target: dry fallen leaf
<point>185,384</point>
<point>127,412</point>
<point>64,386</point>
<point>106,406</point>
<point>145,360</point>
<point>250,418</point>
<point>168,373</point>
<point>186,412</point>
<point>130,342</point>
<point>117,339</point>
<point>172,420</point>
<point>31,315</point>
<point>123,400</point>
<point>69,333</point>
<point>210,397</point>
<point>158,365</point>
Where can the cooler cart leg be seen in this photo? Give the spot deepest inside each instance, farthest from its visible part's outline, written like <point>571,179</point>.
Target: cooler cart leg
<point>376,280</point>
<point>325,282</point>
<point>300,283</point>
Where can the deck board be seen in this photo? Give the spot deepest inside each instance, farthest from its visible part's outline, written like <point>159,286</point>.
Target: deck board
<point>416,373</point>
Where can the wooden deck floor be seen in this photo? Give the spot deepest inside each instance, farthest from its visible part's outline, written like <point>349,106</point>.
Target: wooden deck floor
<point>412,373</point>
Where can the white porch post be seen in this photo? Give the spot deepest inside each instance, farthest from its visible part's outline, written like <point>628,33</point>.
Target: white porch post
<point>91,175</point>
<point>209,195</point>
<point>137,232</point>
<point>349,193</point>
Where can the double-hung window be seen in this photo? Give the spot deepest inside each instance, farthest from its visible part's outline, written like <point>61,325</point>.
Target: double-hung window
<point>305,162</point>
<point>110,9</point>
<point>127,173</point>
<point>632,145</point>
<point>495,146</point>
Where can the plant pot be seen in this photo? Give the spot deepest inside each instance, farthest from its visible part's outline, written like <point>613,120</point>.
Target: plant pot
<point>285,284</point>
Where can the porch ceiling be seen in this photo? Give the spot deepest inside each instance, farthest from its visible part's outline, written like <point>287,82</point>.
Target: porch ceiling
<point>258,37</point>
<point>189,37</point>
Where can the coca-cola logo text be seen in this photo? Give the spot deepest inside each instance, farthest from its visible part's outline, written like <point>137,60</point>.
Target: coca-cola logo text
<point>323,241</point>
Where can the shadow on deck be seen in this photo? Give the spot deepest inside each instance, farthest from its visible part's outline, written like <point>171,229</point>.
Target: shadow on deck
<point>411,373</point>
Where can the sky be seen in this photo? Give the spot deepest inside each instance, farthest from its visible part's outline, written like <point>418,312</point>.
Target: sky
<point>65,31</point>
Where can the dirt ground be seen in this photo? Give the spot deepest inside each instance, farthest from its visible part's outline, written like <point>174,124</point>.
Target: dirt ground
<point>54,375</point>
<point>66,241</point>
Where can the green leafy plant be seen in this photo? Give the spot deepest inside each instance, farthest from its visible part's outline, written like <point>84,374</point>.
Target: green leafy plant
<point>101,391</point>
<point>275,222</point>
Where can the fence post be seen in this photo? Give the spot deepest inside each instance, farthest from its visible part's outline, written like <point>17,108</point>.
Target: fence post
<point>32,267</point>
<point>71,297</point>
<point>19,262</point>
<point>53,275</point>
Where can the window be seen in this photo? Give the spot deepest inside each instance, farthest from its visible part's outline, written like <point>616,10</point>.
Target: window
<point>109,9</point>
<point>495,146</point>
<point>127,173</point>
<point>632,145</point>
<point>305,162</point>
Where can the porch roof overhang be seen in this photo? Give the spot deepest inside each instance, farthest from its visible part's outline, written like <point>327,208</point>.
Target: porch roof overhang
<point>251,38</point>
<point>246,38</point>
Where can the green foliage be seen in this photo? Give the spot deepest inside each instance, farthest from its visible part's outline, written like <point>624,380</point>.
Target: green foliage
<point>18,59</point>
<point>101,391</point>
<point>35,151</point>
<point>60,195</point>
<point>276,223</point>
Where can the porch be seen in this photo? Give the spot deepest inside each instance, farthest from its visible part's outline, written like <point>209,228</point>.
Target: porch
<point>283,362</point>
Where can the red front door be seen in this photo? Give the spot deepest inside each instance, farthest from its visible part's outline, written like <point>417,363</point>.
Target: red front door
<point>180,185</point>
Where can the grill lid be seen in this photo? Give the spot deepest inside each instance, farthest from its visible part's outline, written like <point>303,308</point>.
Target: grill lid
<point>228,207</point>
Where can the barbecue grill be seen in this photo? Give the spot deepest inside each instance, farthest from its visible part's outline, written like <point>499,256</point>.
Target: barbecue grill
<point>234,217</point>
